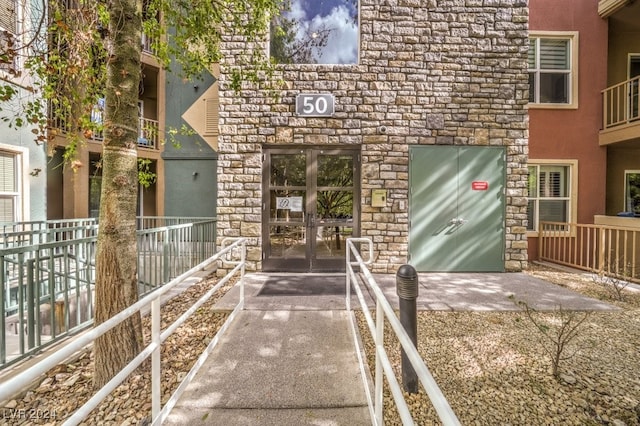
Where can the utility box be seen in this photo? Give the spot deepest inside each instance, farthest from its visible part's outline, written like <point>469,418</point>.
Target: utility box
<point>379,198</point>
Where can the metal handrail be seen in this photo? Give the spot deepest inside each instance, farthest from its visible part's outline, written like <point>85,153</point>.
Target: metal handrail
<point>29,233</point>
<point>383,364</point>
<point>159,413</point>
<point>50,284</point>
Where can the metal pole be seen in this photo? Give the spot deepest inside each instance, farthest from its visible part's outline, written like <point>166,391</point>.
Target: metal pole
<point>407,289</point>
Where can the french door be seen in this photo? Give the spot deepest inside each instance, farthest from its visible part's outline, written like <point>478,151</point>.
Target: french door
<point>311,205</point>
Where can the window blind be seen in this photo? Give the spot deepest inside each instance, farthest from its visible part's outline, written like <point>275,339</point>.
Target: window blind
<point>554,54</point>
<point>7,172</point>
<point>8,15</point>
<point>553,182</point>
<point>6,210</point>
<point>532,54</point>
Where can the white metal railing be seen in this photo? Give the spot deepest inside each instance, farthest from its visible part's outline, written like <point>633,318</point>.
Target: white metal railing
<point>148,133</point>
<point>236,249</point>
<point>620,103</point>
<point>148,44</point>
<point>383,365</point>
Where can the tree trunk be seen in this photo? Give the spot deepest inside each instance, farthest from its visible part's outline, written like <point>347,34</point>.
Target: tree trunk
<point>116,257</point>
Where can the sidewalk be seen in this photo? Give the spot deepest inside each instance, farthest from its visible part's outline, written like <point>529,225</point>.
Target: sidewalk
<point>289,358</point>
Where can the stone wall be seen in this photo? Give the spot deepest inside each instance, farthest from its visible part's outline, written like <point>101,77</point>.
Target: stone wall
<point>447,72</point>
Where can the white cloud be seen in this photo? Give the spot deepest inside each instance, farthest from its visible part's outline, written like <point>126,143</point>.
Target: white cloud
<point>342,44</point>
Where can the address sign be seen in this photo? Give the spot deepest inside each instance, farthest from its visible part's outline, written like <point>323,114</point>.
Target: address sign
<point>315,105</point>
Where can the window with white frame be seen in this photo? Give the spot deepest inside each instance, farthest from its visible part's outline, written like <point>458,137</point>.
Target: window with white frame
<point>632,191</point>
<point>553,69</point>
<point>9,36</point>
<point>10,197</point>
<point>550,194</point>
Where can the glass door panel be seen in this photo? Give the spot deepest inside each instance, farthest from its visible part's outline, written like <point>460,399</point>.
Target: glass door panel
<point>334,207</point>
<point>288,170</point>
<point>309,210</point>
<point>335,222</point>
<point>287,242</point>
<point>287,233</point>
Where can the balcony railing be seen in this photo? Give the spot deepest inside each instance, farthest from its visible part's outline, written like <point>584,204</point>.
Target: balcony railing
<point>620,103</point>
<point>148,45</point>
<point>610,250</point>
<point>147,137</point>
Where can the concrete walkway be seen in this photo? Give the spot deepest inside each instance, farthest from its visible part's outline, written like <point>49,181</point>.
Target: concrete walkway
<point>438,291</point>
<point>289,358</point>
<point>279,368</point>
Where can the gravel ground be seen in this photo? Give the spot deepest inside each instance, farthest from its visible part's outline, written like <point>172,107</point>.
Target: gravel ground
<point>68,386</point>
<point>494,370</point>
<point>492,367</point>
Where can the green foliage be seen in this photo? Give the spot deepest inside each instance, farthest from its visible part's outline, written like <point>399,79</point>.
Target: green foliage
<point>193,30</point>
<point>67,57</point>
<point>146,176</point>
<point>174,134</point>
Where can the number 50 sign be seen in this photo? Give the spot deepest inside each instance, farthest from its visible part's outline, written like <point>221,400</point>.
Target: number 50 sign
<point>315,105</point>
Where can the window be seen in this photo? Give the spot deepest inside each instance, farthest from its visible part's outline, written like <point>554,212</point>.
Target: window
<point>551,196</point>
<point>315,32</point>
<point>10,200</point>
<point>95,184</point>
<point>8,39</point>
<point>553,70</point>
<point>632,191</point>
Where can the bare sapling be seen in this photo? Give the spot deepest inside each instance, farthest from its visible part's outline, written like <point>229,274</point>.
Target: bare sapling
<point>615,282</point>
<point>558,330</point>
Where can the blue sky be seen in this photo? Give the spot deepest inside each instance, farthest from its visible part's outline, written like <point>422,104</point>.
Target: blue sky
<point>337,15</point>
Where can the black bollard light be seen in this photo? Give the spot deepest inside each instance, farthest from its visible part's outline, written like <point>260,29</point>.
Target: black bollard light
<point>407,290</point>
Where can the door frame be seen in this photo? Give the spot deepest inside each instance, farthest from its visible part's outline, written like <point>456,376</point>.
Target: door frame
<point>448,221</point>
<point>632,58</point>
<point>310,263</point>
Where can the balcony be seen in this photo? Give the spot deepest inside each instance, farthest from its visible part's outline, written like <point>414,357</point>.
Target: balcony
<point>147,134</point>
<point>148,45</point>
<point>621,112</point>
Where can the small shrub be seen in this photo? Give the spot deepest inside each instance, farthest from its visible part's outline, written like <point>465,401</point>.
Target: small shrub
<point>558,329</point>
<point>614,282</point>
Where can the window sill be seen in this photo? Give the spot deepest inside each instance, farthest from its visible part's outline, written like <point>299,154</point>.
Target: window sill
<point>552,106</point>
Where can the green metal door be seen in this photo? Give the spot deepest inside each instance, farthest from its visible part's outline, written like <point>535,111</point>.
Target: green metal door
<point>456,208</point>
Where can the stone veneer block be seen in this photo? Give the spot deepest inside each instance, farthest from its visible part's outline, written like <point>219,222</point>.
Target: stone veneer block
<point>430,72</point>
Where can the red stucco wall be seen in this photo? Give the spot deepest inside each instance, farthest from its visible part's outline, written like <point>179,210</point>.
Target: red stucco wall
<point>573,134</point>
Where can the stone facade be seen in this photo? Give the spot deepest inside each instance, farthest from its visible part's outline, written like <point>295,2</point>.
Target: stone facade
<point>446,72</point>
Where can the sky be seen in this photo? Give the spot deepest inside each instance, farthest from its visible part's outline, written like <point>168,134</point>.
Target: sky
<point>337,15</point>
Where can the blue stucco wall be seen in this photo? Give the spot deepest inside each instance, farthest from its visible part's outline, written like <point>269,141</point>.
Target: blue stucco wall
<point>190,168</point>
<point>36,173</point>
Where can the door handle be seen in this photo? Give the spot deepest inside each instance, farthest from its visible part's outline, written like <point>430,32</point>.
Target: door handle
<point>457,221</point>
<point>311,219</point>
